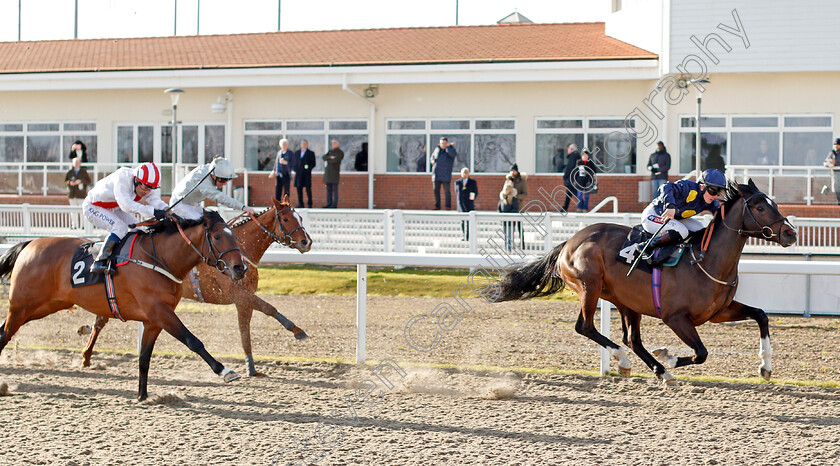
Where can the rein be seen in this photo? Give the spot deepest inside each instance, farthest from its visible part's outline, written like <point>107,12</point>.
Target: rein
<point>766,231</point>
<point>287,239</point>
<point>217,261</point>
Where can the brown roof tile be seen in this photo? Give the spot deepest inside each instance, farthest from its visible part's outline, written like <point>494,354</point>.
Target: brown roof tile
<point>458,44</point>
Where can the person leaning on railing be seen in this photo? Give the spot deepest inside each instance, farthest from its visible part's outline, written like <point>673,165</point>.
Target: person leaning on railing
<point>831,162</point>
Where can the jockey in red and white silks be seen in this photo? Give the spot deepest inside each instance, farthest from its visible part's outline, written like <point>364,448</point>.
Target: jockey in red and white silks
<point>111,202</point>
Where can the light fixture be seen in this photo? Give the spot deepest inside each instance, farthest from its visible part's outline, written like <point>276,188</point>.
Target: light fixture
<point>371,91</point>
<point>218,106</point>
<point>174,94</point>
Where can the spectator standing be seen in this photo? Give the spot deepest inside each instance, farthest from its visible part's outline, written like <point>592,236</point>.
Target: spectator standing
<point>508,204</point>
<point>520,183</point>
<point>78,149</point>
<point>332,172</point>
<point>443,158</point>
<point>282,170</point>
<point>713,160</point>
<point>764,156</point>
<point>467,190</point>
<point>77,181</point>
<point>658,164</point>
<point>584,180</point>
<point>832,162</point>
<point>304,163</point>
<point>559,160</point>
<point>362,158</point>
<point>571,166</point>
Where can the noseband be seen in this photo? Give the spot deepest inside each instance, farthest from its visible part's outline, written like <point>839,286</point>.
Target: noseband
<point>286,239</point>
<point>766,231</point>
<point>216,260</point>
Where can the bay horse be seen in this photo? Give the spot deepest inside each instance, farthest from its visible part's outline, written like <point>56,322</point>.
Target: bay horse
<point>692,293</point>
<point>40,283</point>
<point>278,224</point>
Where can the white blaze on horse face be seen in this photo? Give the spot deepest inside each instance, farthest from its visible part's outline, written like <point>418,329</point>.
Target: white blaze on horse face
<point>765,351</point>
<point>621,355</point>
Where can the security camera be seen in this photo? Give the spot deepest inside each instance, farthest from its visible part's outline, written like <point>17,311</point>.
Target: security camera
<point>371,92</point>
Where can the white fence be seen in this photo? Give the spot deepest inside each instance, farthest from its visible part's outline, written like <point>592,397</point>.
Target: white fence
<point>419,231</point>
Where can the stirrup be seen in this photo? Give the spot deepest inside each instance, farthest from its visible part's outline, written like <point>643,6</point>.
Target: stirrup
<point>98,268</point>
<point>642,252</point>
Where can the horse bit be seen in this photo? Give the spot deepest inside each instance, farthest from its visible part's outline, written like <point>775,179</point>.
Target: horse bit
<point>218,262</point>
<point>286,239</point>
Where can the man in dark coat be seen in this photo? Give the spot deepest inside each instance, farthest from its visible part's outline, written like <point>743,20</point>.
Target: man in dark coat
<point>443,158</point>
<point>467,190</point>
<point>304,163</point>
<point>332,172</point>
<point>658,164</point>
<point>361,158</point>
<point>571,167</point>
<point>78,149</point>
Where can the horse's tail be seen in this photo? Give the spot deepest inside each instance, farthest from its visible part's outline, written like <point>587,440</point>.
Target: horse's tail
<point>538,278</point>
<point>7,261</point>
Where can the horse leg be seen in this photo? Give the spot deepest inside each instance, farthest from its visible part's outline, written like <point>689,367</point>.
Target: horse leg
<point>168,321</point>
<point>634,320</point>
<point>738,311</point>
<point>586,326</point>
<point>244,314</point>
<point>255,302</point>
<point>147,344</point>
<point>97,328</point>
<point>686,331</point>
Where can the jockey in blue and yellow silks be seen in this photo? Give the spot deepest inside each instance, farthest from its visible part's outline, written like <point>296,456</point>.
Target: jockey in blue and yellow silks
<point>678,201</point>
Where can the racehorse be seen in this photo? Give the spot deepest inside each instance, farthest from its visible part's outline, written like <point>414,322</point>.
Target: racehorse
<point>40,284</point>
<point>692,293</point>
<point>278,224</point>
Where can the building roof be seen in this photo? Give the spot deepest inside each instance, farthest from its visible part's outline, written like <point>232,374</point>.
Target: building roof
<point>433,45</point>
<point>515,17</point>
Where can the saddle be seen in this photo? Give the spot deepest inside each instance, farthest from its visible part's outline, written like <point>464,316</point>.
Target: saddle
<point>83,258</point>
<point>666,256</point>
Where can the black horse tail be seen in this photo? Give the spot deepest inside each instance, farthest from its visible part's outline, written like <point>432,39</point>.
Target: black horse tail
<point>7,261</point>
<point>538,278</point>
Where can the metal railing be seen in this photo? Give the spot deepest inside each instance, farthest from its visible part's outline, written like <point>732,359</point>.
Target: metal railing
<point>420,231</point>
<point>792,184</point>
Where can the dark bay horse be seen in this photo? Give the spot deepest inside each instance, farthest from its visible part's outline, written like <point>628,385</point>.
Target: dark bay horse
<point>692,294</point>
<point>278,224</point>
<point>40,283</point>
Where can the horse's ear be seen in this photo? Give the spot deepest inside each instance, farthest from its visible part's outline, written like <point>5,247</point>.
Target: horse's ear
<point>285,199</point>
<point>752,185</point>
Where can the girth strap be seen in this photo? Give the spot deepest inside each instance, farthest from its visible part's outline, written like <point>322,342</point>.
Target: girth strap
<point>111,296</point>
<point>149,266</point>
<point>655,282</point>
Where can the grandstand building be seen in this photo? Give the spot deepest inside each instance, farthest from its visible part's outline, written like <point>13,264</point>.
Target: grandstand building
<point>503,93</point>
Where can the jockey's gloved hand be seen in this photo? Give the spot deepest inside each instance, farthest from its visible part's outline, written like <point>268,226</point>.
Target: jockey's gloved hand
<point>160,214</point>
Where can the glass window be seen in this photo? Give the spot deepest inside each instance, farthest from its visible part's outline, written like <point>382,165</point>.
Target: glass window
<point>613,152</point>
<point>304,126</point>
<point>406,153</point>
<point>494,153</point>
<point>261,151</point>
<point>166,144</point>
<point>52,127</point>
<point>146,144</point>
<point>754,122</point>
<point>350,144</point>
<point>461,143</point>
<point>495,124</point>
<point>407,124</point>
<point>451,124</point>
<point>89,142</point>
<point>11,148</point>
<point>189,144</point>
<point>552,151</point>
<point>43,149</point>
<point>79,126</point>
<point>263,126</point>
<point>608,123</point>
<point>705,122</point>
<point>11,127</point>
<point>125,144</point>
<point>754,148</point>
<point>549,124</point>
<point>214,142</point>
<point>798,122</point>
<point>712,149</point>
<point>805,148</point>
<point>317,144</point>
<point>348,125</point>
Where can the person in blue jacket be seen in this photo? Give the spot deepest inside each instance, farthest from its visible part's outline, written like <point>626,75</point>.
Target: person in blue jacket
<point>678,202</point>
<point>443,158</point>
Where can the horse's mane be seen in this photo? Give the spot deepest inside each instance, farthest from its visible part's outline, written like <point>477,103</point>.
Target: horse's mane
<point>247,218</point>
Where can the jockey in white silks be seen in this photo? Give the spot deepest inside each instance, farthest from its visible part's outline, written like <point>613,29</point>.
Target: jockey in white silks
<point>205,182</point>
<point>113,200</point>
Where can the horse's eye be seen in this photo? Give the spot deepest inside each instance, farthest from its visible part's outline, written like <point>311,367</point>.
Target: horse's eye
<point>217,236</point>
<point>285,219</point>
<point>760,208</point>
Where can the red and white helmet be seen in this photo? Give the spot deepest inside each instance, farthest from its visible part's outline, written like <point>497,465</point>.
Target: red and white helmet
<point>148,174</point>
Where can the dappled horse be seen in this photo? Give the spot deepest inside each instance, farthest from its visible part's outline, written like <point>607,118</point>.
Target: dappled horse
<point>692,293</point>
<point>40,282</point>
<point>278,224</point>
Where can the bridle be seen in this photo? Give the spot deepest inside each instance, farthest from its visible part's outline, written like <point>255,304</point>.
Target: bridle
<point>766,231</point>
<point>216,254</point>
<point>286,239</point>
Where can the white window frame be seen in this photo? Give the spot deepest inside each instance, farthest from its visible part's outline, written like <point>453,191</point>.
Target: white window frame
<point>61,133</point>
<point>586,130</point>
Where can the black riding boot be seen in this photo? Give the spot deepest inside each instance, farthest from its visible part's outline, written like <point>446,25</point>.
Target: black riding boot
<point>669,236</point>
<point>100,265</point>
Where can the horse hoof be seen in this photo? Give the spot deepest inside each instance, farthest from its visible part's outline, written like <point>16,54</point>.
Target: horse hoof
<point>624,371</point>
<point>671,383</point>
<point>258,374</point>
<point>230,376</point>
<point>85,363</point>
<point>765,374</point>
<point>660,353</point>
<point>301,335</point>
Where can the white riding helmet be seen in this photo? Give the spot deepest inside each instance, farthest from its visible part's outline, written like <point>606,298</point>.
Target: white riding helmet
<point>222,168</point>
